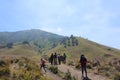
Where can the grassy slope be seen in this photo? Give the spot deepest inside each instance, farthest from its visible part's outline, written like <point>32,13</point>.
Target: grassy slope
<point>91,49</point>
<point>19,50</point>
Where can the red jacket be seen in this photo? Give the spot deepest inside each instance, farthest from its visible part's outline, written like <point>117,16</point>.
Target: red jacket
<point>43,62</point>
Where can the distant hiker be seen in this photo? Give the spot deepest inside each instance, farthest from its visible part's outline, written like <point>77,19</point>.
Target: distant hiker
<point>59,59</point>
<point>51,59</point>
<point>64,56</point>
<point>55,59</point>
<point>83,62</point>
<point>42,65</point>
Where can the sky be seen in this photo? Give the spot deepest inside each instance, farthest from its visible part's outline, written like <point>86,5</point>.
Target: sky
<point>96,20</point>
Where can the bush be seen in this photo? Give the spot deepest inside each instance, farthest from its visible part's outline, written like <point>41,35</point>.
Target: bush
<point>29,67</point>
<point>68,75</point>
<point>5,71</point>
<point>54,69</point>
<point>2,63</point>
<point>9,45</point>
<point>89,66</point>
<point>117,76</point>
<point>71,63</point>
<point>78,66</point>
<point>117,68</point>
<point>107,74</point>
<point>21,64</point>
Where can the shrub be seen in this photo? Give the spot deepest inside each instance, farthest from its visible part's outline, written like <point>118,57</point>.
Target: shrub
<point>78,66</point>
<point>117,76</point>
<point>107,74</point>
<point>89,66</point>
<point>107,68</point>
<point>107,55</point>
<point>117,68</point>
<point>54,69</point>
<point>2,63</point>
<point>5,71</point>
<point>68,75</point>
<point>71,63</point>
<point>21,64</point>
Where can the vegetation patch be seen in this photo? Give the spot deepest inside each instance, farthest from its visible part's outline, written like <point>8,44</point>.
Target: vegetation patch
<point>54,69</point>
<point>21,69</point>
<point>68,76</point>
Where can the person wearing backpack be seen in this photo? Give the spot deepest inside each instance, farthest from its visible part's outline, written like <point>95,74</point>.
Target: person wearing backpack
<point>42,65</point>
<point>83,62</point>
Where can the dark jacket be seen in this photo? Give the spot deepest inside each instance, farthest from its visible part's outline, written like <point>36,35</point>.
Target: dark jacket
<point>83,61</point>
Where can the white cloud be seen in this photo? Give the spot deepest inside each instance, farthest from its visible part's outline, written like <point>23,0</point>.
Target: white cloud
<point>59,29</point>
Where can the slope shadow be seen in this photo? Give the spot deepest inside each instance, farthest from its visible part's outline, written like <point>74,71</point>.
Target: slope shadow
<point>86,78</point>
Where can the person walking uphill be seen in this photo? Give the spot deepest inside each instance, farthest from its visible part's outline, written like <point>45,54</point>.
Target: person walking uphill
<point>42,65</point>
<point>55,58</point>
<point>83,62</point>
<point>64,55</point>
<point>51,59</point>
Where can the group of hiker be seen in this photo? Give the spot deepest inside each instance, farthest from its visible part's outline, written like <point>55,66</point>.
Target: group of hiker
<point>56,59</point>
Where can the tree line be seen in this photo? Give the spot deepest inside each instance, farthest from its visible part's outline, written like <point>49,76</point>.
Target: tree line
<point>70,41</point>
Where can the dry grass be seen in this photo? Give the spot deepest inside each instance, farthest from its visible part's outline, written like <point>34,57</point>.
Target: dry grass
<point>20,69</point>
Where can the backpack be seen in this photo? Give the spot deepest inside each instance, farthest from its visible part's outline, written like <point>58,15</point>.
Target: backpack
<point>83,61</point>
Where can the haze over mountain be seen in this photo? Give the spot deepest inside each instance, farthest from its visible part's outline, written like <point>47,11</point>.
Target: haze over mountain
<point>28,35</point>
<point>45,41</point>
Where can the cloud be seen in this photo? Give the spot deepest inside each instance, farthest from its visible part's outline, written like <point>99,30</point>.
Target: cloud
<point>59,29</point>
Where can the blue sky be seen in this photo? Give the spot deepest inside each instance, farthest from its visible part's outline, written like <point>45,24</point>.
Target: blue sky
<point>97,20</point>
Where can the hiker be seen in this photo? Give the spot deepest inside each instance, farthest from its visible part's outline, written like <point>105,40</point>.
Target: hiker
<point>59,59</point>
<point>83,62</point>
<point>42,65</point>
<point>51,59</point>
<point>64,56</point>
<point>55,58</point>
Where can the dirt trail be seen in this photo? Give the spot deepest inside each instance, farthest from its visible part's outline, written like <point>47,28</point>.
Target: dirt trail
<point>78,75</point>
<point>52,76</point>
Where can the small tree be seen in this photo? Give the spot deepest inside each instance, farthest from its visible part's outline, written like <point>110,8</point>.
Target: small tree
<point>73,42</point>
<point>10,45</point>
<point>25,42</point>
<point>76,42</point>
<point>68,42</point>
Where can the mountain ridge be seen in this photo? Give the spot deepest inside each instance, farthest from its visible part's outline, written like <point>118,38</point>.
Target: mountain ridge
<point>26,35</point>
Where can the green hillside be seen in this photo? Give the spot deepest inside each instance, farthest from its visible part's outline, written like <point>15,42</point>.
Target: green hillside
<point>41,39</point>
<point>91,49</point>
<point>36,41</point>
<point>20,50</point>
<point>27,35</point>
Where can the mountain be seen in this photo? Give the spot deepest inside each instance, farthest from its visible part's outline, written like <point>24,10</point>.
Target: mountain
<point>27,35</point>
<point>37,37</point>
<point>50,43</point>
